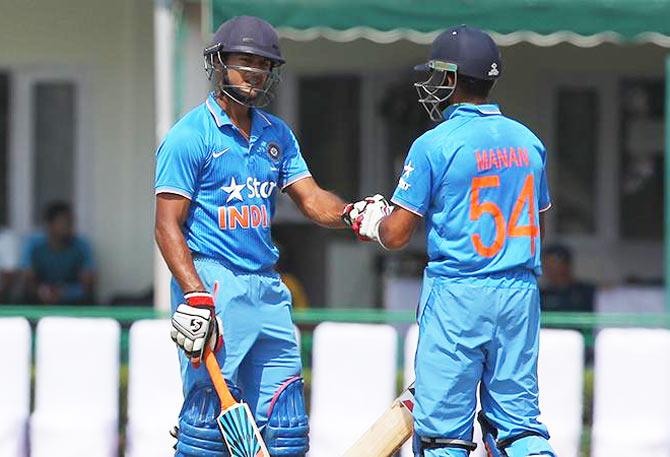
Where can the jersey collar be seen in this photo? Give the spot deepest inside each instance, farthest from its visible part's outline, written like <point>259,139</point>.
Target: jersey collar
<point>259,120</point>
<point>468,109</point>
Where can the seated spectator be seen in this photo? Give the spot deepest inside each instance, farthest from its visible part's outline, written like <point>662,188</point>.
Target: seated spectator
<point>58,264</point>
<point>560,291</point>
<point>9,263</point>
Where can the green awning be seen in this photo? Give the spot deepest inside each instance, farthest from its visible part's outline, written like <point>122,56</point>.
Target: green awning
<point>542,22</point>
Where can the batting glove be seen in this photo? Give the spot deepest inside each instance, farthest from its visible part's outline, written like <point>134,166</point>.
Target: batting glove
<point>365,216</point>
<point>195,324</point>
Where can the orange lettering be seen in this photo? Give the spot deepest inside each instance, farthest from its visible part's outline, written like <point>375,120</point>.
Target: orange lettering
<point>502,158</point>
<point>492,159</point>
<point>222,217</point>
<point>513,158</point>
<point>482,162</point>
<point>523,155</point>
<point>256,216</point>
<point>478,209</point>
<point>239,218</point>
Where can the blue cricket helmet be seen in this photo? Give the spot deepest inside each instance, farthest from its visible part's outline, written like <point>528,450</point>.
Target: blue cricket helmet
<point>473,52</point>
<point>247,35</point>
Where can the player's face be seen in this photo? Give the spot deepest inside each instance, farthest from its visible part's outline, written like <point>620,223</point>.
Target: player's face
<point>248,73</point>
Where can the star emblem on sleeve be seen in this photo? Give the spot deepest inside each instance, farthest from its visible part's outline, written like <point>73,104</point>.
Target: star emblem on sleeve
<point>233,190</point>
<point>407,169</point>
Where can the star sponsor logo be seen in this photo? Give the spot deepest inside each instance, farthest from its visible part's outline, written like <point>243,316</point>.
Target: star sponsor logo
<point>233,190</point>
<point>407,169</point>
<point>254,187</point>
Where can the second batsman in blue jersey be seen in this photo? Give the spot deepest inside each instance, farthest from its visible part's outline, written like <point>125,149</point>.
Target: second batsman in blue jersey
<point>218,172</point>
<point>478,180</point>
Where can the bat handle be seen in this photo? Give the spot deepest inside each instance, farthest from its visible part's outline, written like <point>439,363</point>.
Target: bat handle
<point>219,382</point>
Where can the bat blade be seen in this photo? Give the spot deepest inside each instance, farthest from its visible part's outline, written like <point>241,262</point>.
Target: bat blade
<point>389,432</point>
<point>236,423</point>
<point>241,433</point>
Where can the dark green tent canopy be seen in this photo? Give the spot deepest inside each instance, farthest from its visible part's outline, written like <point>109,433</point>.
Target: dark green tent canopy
<point>545,22</point>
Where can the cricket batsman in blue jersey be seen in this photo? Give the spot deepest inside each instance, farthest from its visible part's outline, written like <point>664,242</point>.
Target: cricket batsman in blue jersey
<point>478,180</point>
<point>218,172</point>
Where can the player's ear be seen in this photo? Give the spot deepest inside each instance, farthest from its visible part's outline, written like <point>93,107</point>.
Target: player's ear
<point>451,78</point>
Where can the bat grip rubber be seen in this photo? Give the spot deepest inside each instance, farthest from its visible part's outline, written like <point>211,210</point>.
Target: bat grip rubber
<point>219,382</point>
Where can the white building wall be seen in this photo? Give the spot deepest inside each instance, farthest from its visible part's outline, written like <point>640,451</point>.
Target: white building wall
<point>111,43</point>
<point>525,94</point>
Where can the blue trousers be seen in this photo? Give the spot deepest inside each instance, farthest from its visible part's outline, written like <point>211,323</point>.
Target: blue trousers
<point>260,350</point>
<point>477,332</point>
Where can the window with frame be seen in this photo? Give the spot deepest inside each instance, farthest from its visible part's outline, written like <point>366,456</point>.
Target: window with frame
<point>54,143</point>
<point>641,168</point>
<point>329,123</point>
<point>4,147</point>
<point>574,161</point>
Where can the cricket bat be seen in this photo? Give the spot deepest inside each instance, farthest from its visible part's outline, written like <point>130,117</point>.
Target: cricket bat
<point>389,432</point>
<point>237,424</point>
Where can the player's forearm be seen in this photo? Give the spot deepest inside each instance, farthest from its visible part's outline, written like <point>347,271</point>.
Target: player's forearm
<point>178,257</point>
<point>324,208</point>
<point>396,229</point>
<point>391,237</point>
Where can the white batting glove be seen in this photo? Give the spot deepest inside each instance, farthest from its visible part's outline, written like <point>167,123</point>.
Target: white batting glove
<point>366,216</point>
<point>194,324</point>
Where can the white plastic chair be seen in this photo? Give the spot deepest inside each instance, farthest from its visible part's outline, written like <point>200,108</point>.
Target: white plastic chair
<point>154,389</point>
<point>353,383</point>
<point>14,386</point>
<point>76,388</point>
<point>631,414</point>
<point>561,377</point>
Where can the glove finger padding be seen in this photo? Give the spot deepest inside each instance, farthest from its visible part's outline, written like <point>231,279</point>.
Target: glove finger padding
<point>192,327</point>
<point>366,215</point>
<point>358,214</point>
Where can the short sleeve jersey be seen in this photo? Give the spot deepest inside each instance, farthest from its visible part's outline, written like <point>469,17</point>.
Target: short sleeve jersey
<point>232,182</point>
<point>57,266</point>
<point>479,180</point>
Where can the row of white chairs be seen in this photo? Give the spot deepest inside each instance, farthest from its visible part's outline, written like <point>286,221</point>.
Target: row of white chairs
<point>76,409</point>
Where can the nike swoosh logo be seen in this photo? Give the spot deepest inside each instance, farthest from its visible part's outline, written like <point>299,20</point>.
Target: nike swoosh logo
<point>220,153</point>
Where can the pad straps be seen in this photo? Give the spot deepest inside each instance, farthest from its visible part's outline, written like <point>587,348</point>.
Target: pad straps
<point>436,443</point>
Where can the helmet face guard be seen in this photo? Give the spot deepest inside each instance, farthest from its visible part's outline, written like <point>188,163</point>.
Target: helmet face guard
<point>216,67</point>
<point>435,91</point>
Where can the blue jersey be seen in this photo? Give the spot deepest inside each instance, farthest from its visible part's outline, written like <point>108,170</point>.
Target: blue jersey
<point>479,180</point>
<point>232,183</point>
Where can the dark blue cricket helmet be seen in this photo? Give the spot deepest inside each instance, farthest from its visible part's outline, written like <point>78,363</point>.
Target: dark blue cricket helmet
<point>473,52</point>
<point>247,35</point>
<point>461,51</point>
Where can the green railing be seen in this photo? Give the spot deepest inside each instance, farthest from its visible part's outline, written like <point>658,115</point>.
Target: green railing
<point>128,314</point>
